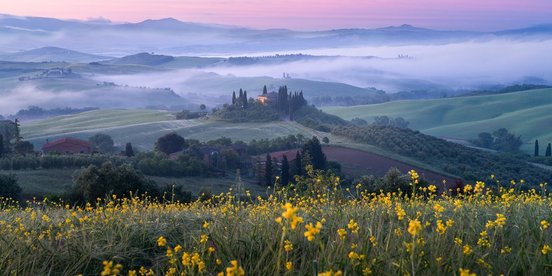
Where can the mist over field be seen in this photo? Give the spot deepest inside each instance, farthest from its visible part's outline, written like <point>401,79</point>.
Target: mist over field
<point>469,65</point>
<point>203,63</point>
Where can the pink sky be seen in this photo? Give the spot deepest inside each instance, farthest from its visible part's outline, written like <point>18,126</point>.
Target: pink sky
<point>302,14</point>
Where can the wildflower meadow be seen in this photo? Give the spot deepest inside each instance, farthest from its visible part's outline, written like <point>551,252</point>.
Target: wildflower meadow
<point>314,227</point>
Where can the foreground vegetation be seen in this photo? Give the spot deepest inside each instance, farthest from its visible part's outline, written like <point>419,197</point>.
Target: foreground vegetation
<point>313,227</point>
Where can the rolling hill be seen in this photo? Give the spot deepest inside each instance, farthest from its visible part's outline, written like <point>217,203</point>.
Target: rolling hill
<point>526,113</point>
<point>51,54</point>
<point>143,127</point>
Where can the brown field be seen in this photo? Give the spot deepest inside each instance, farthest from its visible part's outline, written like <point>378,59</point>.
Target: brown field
<point>357,163</point>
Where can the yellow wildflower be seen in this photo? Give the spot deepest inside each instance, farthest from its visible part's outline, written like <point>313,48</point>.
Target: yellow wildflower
<point>414,227</point>
<point>161,241</point>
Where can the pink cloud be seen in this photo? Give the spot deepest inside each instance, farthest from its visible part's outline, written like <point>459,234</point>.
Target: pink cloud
<point>302,14</point>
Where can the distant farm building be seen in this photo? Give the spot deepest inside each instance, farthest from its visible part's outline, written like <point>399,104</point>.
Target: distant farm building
<point>67,146</point>
<point>268,98</point>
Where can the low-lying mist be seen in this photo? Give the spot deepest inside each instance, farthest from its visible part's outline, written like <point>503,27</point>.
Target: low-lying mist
<point>26,95</point>
<point>471,65</point>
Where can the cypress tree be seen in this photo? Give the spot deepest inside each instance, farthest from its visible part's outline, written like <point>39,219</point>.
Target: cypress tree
<point>1,145</point>
<point>244,99</point>
<point>284,176</point>
<point>268,170</point>
<point>548,151</point>
<point>298,165</point>
<point>233,97</point>
<point>536,147</point>
<point>129,151</point>
<point>317,157</point>
<point>265,91</point>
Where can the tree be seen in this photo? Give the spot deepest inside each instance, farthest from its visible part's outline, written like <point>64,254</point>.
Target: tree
<point>170,143</point>
<point>244,99</point>
<point>101,143</point>
<point>129,151</point>
<point>506,141</point>
<point>98,182</point>
<point>18,137</point>
<point>265,91</point>
<point>537,147</point>
<point>202,107</point>
<point>284,175</point>
<point>24,147</point>
<point>548,151</point>
<point>313,149</point>
<point>485,140</point>
<point>1,145</point>
<point>298,166</point>
<point>8,186</point>
<point>233,97</point>
<point>268,170</point>
<point>326,140</point>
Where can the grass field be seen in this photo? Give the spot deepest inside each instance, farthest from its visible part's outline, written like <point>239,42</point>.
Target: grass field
<point>143,127</point>
<point>38,183</point>
<point>321,231</point>
<point>525,113</point>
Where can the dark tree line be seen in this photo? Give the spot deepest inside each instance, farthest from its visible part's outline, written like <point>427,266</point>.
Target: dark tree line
<point>289,102</point>
<point>311,154</point>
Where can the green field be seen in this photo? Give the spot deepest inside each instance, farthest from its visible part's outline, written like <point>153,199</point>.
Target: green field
<point>143,127</point>
<point>38,183</point>
<point>526,113</point>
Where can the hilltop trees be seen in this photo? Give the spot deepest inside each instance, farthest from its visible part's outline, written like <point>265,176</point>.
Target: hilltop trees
<point>170,143</point>
<point>537,147</point>
<point>548,151</point>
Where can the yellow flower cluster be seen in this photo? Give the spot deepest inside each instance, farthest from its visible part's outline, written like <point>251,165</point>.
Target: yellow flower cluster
<point>290,214</point>
<point>312,230</point>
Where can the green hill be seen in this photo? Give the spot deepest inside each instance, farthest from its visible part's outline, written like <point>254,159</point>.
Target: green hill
<point>143,127</point>
<point>526,113</point>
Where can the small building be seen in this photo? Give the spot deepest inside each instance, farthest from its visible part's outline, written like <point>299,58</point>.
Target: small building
<point>67,146</point>
<point>268,98</point>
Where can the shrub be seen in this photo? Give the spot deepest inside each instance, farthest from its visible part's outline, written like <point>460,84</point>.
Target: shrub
<point>8,186</point>
<point>97,182</point>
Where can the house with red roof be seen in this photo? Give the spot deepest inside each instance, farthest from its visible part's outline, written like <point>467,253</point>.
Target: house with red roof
<point>67,146</point>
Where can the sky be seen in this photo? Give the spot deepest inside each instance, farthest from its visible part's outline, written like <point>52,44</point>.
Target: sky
<point>481,15</point>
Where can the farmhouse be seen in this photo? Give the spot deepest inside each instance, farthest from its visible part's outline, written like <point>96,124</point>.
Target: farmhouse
<point>268,98</point>
<point>67,146</point>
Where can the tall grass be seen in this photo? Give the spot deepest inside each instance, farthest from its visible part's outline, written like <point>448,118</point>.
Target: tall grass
<point>312,228</point>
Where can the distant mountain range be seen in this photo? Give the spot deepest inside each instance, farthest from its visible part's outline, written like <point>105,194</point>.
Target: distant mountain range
<point>175,37</point>
<point>51,54</point>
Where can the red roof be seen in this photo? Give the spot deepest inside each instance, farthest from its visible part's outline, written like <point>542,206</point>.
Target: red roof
<point>73,141</point>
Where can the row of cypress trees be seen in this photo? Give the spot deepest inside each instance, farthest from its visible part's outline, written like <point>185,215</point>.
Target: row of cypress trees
<point>548,152</point>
